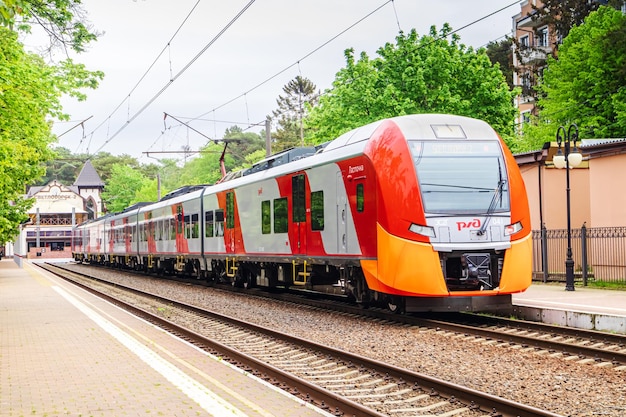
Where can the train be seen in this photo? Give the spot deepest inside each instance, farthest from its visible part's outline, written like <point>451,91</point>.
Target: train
<point>415,213</point>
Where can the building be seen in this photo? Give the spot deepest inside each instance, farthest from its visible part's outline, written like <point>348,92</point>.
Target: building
<point>48,232</point>
<point>596,201</point>
<point>534,42</point>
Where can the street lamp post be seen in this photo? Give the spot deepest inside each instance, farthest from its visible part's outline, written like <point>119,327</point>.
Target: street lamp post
<point>567,161</point>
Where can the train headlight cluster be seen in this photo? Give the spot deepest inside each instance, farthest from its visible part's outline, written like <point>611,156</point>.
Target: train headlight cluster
<point>422,230</point>
<point>512,229</point>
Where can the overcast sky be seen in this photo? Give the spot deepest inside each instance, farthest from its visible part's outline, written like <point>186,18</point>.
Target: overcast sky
<point>218,85</point>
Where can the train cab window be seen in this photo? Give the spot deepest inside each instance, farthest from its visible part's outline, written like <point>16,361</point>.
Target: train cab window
<point>281,221</point>
<point>299,203</point>
<point>230,210</point>
<point>195,226</point>
<point>317,210</point>
<point>360,199</point>
<point>219,222</point>
<point>208,224</point>
<point>266,217</point>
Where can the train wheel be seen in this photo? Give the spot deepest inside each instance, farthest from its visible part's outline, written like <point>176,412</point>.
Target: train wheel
<point>247,279</point>
<point>197,270</point>
<point>396,304</point>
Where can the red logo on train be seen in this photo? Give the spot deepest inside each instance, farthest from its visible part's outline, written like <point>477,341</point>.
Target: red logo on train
<point>474,223</point>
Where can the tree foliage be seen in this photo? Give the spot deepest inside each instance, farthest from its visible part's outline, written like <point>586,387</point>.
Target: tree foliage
<point>62,20</point>
<point>586,83</point>
<point>122,187</point>
<point>300,95</point>
<point>427,74</point>
<point>30,92</point>
<point>501,53</point>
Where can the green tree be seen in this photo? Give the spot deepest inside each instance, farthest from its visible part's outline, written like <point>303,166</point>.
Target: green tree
<point>30,92</point>
<point>427,74</point>
<point>104,163</point>
<point>586,83</point>
<point>300,95</point>
<point>502,53</point>
<point>122,187</point>
<point>63,167</point>
<point>62,20</point>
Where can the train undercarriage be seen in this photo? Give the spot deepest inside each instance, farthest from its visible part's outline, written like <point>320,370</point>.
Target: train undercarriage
<point>463,272</point>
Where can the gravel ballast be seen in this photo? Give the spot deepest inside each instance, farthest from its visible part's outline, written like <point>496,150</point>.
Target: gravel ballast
<point>550,383</point>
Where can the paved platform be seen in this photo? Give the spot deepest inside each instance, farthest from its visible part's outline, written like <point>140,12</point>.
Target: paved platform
<point>64,351</point>
<point>587,308</point>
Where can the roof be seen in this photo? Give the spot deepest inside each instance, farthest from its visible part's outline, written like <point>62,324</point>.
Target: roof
<point>88,177</point>
<point>589,143</point>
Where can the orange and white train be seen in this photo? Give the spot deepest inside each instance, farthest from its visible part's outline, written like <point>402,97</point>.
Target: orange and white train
<point>419,212</point>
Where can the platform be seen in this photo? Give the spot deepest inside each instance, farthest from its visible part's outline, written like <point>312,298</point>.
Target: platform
<point>587,308</point>
<point>64,351</point>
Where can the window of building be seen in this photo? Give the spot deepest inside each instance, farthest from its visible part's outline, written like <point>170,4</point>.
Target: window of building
<point>317,210</point>
<point>266,217</point>
<point>542,37</point>
<point>524,41</point>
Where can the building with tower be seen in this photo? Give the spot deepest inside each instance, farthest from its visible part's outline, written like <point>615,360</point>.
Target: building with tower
<point>57,209</point>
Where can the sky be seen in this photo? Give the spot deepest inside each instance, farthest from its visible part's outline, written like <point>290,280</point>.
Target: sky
<point>216,64</point>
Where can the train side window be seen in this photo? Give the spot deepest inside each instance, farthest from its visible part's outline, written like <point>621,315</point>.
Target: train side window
<point>172,229</point>
<point>266,217</point>
<point>299,203</point>
<point>230,210</point>
<point>208,224</point>
<point>359,198</point>
<point>187,226</point>
<point>179,217</point>
<point>317,210</point>
<point>195,226</point>
<point>219,222</point>
<point>281,221</point>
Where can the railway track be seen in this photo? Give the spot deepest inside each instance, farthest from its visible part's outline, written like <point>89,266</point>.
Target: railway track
<point>570,344</point>
<point>342,383</point>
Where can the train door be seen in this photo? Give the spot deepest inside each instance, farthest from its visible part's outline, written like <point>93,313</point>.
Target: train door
<point>229,232</point>
<point>342,223</point>
<point>298,198</point>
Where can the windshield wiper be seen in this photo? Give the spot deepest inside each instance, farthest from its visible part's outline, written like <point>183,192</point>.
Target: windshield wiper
<point>497,196</point>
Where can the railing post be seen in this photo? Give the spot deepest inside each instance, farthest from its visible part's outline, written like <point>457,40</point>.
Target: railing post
<point>583,245</point>
<point>544,252</point>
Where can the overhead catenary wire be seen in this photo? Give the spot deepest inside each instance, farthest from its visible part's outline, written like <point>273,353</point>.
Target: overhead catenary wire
<point>297,62</point>
<point>258,85</point>
<point>181,72</point>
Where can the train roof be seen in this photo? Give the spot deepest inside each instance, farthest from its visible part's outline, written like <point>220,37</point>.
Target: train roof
<point>416,126</point>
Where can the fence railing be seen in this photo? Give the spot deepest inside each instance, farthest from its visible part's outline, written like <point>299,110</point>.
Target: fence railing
<point>599,254</point>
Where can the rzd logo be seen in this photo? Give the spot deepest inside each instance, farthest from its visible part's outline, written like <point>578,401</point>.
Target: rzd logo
<point>474,223</point>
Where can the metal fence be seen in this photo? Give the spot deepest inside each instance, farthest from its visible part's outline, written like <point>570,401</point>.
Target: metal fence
<point>599,254</point>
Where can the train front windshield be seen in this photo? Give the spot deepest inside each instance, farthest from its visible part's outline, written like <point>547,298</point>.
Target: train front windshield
<point>461,177</point>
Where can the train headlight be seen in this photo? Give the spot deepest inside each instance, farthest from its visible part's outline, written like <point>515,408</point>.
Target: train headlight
<point>512,228</point>
<point>422,230</point>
